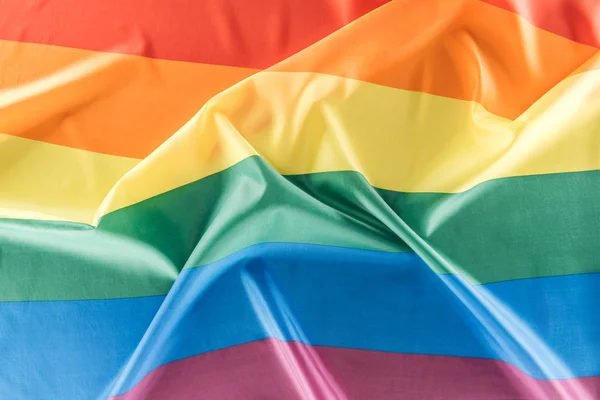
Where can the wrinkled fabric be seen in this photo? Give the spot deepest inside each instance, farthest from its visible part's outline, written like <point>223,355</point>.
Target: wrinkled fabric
<point>287,199</point>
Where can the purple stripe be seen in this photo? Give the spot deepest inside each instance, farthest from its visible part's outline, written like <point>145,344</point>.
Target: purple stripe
<point>271,369</point>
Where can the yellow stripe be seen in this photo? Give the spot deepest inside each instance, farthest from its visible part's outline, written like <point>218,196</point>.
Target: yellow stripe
<point>45,181</point>
<point>400,140</point>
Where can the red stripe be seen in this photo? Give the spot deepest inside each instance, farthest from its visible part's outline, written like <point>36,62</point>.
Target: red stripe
<point>578,20</point>
<point>246,33</point>
<point>271,369</point>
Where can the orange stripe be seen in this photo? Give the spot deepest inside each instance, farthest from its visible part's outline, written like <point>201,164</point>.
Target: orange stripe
<point>105,102</point>
<point>127,105</point>
<point>462,49</point>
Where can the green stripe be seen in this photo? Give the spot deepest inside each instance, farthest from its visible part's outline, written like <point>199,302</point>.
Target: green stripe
<point>42,260</point>
<point>503,229</point>
<point>511,228</point>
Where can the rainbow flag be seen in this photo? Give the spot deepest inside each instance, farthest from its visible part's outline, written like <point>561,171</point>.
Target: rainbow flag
<point>299,199</point>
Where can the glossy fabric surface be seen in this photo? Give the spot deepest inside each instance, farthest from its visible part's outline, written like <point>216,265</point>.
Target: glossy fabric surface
<point>286,199</point>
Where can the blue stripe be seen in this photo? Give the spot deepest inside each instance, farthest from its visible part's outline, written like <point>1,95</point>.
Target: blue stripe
<point>71,350</point>
<point>314,294</point>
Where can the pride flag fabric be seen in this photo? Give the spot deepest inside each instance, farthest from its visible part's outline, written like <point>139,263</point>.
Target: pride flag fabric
<point>299,199</point>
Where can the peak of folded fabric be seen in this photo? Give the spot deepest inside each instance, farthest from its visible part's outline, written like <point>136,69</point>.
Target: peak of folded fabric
<point>306,123</point>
